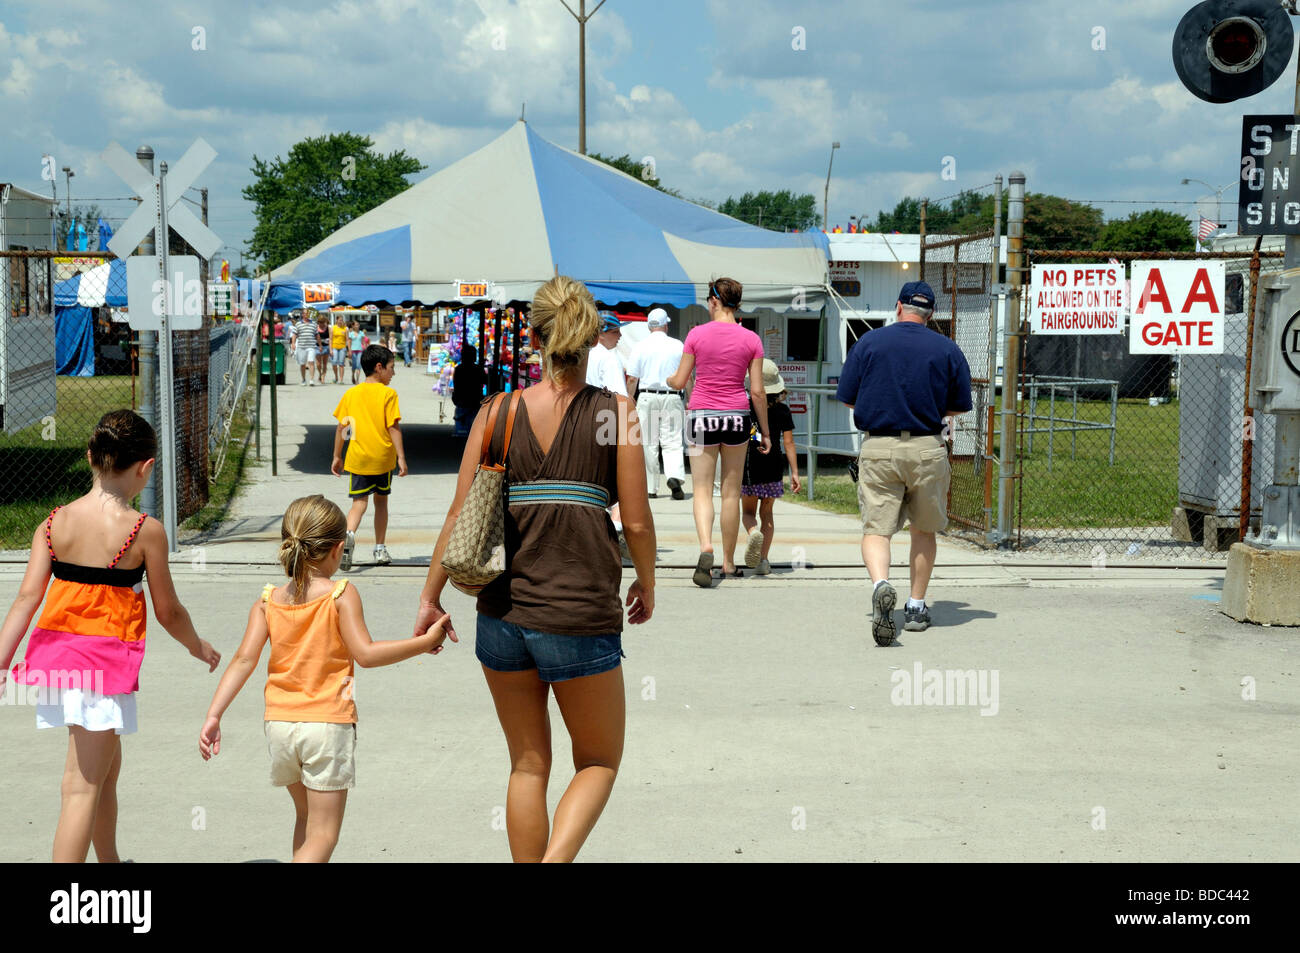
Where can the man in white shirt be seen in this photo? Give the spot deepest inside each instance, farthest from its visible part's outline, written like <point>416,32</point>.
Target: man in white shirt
<point>657,405</point>
<point>604,369</point>
<point>303,341</point>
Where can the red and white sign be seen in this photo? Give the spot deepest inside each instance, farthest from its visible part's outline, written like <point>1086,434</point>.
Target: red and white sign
<point>843,270</point>
<point>795,374</point>
<point>1177,307</point>
<point>1078,299</point>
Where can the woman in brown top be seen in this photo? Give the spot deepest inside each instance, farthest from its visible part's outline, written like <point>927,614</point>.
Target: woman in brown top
<point>553,619</point>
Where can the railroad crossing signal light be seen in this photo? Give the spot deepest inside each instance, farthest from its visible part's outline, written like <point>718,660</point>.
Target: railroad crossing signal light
<point>1226,50</point>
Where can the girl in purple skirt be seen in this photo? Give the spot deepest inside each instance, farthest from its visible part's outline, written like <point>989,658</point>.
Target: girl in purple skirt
<point>765,473</point>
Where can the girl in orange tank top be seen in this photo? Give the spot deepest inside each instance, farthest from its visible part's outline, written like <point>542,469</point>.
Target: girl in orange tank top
<point>316,630</point>
<point>82,665</point>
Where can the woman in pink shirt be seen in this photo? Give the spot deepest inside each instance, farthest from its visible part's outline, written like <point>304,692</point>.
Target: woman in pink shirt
<point>720,353</point>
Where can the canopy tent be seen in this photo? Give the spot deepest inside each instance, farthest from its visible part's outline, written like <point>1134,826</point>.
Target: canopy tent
<point>74,327</point>
<point>521,210</point>
<point>102,285</point>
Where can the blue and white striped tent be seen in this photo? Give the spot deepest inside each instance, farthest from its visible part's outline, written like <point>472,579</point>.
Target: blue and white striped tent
<point>521,210</point>
<point>74,330</point>
<point>103,285</point>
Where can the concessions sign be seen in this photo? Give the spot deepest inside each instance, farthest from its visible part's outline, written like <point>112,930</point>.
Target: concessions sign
<point>1078,299</point>
<point>794,375</point>
<point>1177,307</point>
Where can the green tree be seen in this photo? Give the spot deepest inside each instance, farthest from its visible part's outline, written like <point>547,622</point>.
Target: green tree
<point>779,211</point>
<point>326,182</point>
<point>1051,222</point>
<point>1152,230</point>
<point>965,213</point>
<point>87,215</point>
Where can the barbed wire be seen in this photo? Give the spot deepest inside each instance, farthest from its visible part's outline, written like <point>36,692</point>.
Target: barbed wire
<point>973,188</point>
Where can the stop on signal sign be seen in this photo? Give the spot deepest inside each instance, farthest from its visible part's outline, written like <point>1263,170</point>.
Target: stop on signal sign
<point>1177,307</point>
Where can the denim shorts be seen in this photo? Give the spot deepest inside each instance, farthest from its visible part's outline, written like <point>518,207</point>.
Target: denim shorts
<point>505,647</point>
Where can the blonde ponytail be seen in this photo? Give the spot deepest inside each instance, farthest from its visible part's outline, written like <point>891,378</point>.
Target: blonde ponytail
<point>565,321</point>
<point>311,527</point>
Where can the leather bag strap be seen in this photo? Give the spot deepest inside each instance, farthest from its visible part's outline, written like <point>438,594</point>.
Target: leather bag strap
<point>510,423</point>
<point>489,429</point>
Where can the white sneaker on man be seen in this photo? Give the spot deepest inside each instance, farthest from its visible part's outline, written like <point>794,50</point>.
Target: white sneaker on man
<point>381,555</point>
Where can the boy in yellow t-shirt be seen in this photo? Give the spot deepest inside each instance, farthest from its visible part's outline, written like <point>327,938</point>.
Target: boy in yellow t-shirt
<point>368,416</point>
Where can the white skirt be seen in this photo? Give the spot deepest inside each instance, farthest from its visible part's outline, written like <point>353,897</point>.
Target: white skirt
<point>90,710</point>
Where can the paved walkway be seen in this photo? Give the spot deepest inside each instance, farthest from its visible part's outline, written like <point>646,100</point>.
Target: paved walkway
<point>1122,716</point>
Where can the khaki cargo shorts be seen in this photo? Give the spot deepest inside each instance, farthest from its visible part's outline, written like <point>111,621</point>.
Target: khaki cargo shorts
<point>901,480</point>
<point>322,755</point>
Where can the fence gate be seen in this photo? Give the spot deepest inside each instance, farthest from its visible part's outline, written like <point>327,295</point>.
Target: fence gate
<point>1125,456</point>
<point>962,271</point>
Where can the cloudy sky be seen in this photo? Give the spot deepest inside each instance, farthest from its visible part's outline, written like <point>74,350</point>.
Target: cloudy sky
<point>714,90</point>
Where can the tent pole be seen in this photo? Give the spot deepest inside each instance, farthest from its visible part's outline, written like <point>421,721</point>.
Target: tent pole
<point>482,335</point>
<point>816,401</point>
<point>498,383</point>
<point>515,322</point>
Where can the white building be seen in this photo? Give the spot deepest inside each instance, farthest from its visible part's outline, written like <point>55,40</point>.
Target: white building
<point>26,311</point>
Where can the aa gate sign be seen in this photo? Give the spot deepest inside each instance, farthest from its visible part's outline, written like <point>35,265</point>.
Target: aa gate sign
<point>1177,307</point>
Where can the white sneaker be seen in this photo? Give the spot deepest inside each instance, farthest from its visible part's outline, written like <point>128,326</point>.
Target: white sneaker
<point>381,556</point>
<point>349,543</point>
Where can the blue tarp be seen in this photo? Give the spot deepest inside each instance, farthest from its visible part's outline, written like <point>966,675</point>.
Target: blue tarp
<point>74,342</point>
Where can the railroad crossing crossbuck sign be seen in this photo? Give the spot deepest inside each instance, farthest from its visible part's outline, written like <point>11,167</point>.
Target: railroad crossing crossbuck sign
<point>158,289</point>
<point>146,299</point>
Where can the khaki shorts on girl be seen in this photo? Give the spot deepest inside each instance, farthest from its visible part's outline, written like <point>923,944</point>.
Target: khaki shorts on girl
<point>322,755</point>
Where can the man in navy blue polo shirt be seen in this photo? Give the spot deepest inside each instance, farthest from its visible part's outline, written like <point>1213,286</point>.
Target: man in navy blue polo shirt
<point>902,381</point>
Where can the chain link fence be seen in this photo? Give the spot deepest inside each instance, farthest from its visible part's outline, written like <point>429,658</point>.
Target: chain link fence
<point>67,356</point>
<point>1124,456</point>
<point>962,272</point>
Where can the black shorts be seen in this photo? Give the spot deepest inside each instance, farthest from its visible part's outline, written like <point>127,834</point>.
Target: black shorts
<point>363,484</point>
<point>712,428</point>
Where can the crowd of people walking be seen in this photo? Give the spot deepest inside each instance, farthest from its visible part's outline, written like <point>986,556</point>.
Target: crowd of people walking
<point>551,618</point>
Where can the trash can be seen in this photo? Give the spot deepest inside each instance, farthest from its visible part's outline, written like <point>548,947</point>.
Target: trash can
<point>267,352</point>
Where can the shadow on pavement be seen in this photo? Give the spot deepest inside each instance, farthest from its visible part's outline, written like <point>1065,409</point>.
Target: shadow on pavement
<point>430,448</point>
<point>945,615</point>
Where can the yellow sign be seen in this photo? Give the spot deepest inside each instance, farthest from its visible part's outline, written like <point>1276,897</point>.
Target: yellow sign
<point>471,290</point>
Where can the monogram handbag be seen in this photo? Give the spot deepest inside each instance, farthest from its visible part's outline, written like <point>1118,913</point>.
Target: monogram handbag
<point>476,551</point>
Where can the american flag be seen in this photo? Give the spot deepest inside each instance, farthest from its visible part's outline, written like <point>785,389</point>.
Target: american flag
<point>1207,229</point>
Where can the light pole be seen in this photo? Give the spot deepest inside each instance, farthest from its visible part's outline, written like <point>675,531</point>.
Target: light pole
<point>582,16</point>
<point>67,171</point>
<point>1218,196</point>
<point>827,194</point>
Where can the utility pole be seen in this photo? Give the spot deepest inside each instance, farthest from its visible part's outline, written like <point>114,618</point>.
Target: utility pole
<point>203,263</point>
<point>582,16</point>
<point>1011,362</point>
<point>67,171</point>
<point>148,362</point>
<point>827,194</point>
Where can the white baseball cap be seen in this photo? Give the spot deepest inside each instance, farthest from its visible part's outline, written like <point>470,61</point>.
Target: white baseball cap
<point>658,318</point>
